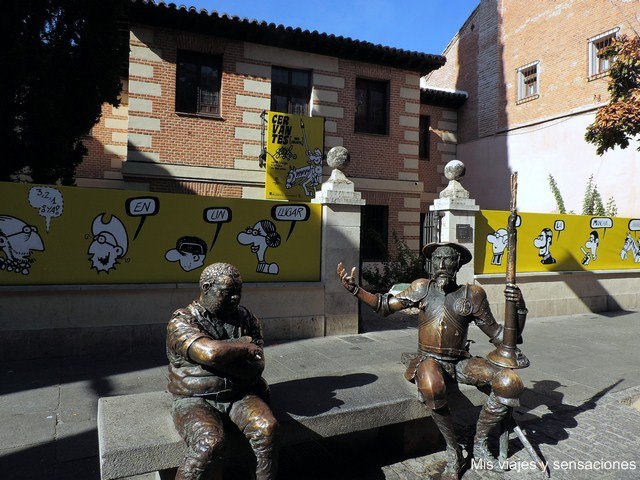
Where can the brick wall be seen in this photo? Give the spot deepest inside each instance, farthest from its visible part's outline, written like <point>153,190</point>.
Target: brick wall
<point>173,152</point>
<point>502,35</point>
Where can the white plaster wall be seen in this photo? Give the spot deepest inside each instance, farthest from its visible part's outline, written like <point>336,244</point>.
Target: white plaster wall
<point>556,147</point>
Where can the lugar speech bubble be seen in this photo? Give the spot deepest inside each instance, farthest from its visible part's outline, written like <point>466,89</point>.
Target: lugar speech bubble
<point>142,207</point>
<point>291,213</point>
<point>48,201</point>
<point>217,215</point>
<point>634,224</point>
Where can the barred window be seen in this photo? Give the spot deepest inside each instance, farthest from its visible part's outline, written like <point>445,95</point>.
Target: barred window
<point>372,106</point>
<point>198,82</point>
<point>599,63</point>
<point>290,90</point>
<point>528,82</point>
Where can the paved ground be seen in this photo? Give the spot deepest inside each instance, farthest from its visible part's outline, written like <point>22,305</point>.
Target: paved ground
<point>580,405</point>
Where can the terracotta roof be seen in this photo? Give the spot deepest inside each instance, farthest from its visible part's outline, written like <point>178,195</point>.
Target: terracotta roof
<point>442,98</point>
<point>190,19</point>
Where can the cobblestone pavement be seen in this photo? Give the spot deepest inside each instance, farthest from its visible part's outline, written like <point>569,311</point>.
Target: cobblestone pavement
<point>579,405</point>
<point>599,439</point>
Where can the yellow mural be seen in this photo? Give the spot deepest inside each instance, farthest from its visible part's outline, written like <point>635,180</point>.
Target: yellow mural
<point>72,235</point>
<point>550,242</point>
<point>294,156</point>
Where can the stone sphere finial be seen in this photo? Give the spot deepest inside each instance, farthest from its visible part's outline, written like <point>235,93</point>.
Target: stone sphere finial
<point>338,157</point>
<point>454,170</point>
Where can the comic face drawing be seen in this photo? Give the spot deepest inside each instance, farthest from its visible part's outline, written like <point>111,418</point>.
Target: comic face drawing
<point>190,252</point>
<point>543,243</point>
<point>17,241</point>
<point>592,245</point>
<point>260,237</point>
<point>498,241</point>
<point>110,243</point>
<point>630,245</point>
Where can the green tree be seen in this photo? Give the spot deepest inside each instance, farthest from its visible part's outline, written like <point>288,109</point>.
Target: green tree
<point>618,122</point>
<point>62,61</point>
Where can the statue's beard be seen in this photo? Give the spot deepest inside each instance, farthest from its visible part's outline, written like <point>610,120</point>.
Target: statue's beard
<point>443,281</point>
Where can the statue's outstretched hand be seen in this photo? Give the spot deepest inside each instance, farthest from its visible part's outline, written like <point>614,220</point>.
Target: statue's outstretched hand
<point>348,280</point>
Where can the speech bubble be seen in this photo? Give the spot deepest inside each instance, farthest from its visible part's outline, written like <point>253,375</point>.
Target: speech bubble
<point>142,207</point>
<point>518,220</point>
<point>558,226</point>
<point>634,224</point>
<point>601,222</point>
<point>48,201</point>
<point>291,213</point>
<point>217,215</point>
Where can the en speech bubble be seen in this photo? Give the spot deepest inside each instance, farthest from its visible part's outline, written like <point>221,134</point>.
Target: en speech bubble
<point>518,220</point>
<point>558,226</point>
<point>601,222</point>
<point>48,201</point>
<point>291,213</point>
<point>634,224</point>
<point>217,215</point>
<point>142,207</point>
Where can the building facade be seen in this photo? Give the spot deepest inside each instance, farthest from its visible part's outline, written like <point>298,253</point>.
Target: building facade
<point>535,80</point>
<point>198,84</point>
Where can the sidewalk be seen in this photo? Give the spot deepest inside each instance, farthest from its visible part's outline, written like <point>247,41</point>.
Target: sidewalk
<point>578,404</point>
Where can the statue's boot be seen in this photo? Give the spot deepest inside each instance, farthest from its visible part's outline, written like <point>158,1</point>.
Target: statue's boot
<point>455,461</point>
<point>491,415</point>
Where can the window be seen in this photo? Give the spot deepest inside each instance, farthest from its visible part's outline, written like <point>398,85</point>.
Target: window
<point>198,83</point>
<point>425,123</point>
<point>528,82</point>
<point>374,233</point>
<point>598,63</point>
<point>290,90</point>
<point>371,106</point>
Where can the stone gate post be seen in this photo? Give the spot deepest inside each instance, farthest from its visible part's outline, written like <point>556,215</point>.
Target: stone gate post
<point>458,213</point>
<point>340,243</point>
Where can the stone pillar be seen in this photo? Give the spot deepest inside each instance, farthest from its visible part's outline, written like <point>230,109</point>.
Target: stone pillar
<point>340,243</point>
<point>458,213</point>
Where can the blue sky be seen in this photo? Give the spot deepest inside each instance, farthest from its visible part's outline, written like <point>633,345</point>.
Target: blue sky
<point>420,25</point>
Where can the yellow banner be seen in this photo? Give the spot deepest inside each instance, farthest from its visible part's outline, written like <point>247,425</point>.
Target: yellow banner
<point>72,235</point>
<point>550,242</point>
<point>294,156</point>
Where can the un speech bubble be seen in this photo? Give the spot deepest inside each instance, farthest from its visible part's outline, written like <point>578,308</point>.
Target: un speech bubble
<point>558,226</point>
<point>291,213</point>
<point>48,201</point>
<point>601,222</point>
<point>217,215</point>
<point>634,224</point>
<point>142,207</point>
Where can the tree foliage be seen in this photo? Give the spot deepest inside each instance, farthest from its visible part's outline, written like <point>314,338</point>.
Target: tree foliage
<point>618,122</point>
<point>62,60</point>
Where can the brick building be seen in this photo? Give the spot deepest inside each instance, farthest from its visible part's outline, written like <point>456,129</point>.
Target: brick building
<point>535,81</point>
<point>166,138</point>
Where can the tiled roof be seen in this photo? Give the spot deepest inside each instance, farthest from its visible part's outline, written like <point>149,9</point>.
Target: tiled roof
<point>255,31</point>
<point>442,98</point>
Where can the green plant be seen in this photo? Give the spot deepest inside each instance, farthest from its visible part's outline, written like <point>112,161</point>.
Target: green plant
<point>591,202</point>
<point>556,194</point>
<point>402,267</point>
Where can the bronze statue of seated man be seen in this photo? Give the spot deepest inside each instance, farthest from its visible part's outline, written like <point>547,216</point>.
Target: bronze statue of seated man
<point>216,359</point>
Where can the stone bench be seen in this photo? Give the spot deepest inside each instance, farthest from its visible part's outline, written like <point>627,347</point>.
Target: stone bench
<point>136,432</point>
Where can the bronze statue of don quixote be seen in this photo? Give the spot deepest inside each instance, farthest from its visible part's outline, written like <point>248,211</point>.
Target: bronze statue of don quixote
<point>445,311</point>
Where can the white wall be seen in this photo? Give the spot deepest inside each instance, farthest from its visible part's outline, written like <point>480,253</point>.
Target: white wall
<point>556,147</point>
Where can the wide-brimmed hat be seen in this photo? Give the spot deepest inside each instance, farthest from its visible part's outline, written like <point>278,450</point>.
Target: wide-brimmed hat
<point>465,255</point>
